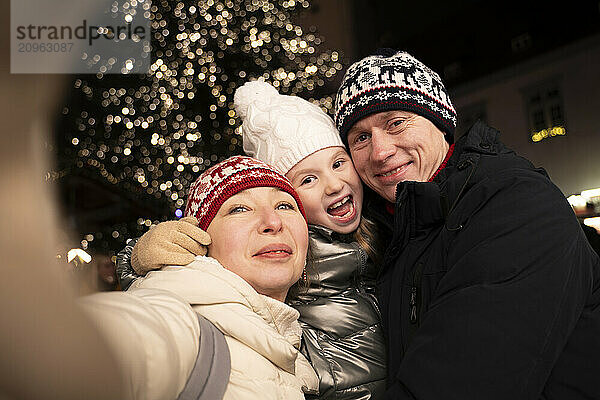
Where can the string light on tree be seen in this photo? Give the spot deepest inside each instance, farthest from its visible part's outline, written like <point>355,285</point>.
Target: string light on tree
<point>150,136</point>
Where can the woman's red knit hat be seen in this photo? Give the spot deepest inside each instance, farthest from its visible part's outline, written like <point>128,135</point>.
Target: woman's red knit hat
<point>227,178</point>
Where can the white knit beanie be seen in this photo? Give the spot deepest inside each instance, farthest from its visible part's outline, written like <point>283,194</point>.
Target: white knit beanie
<point>281,130</point>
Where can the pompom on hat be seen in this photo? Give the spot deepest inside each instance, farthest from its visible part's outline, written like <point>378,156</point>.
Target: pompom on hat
<point>227,178</point>
<point>391,80</point>
<point>281,130</point>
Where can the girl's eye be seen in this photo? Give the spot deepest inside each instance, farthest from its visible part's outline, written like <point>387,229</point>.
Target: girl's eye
<point>285,206</point>
<point>307,180</point>
<point>337,164</point>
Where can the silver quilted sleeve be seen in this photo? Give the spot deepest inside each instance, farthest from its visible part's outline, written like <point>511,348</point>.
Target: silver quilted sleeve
<point>125,273</point>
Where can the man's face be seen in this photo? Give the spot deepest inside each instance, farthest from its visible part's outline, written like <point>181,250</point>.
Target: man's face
<point>395,146</point>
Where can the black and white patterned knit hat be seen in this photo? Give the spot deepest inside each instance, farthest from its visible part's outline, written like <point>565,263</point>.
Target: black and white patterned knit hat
<point>392,80</point>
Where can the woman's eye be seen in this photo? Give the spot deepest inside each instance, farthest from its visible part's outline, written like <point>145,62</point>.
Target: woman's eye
<point>285,206</point>
<point>238,209</point>
<point>307,180</point>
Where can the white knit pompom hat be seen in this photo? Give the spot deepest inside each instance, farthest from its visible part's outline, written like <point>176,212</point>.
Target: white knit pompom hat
<point>281,130</point>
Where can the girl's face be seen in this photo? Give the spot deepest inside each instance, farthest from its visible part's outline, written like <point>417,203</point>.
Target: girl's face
<point>261,235</point>
<point>329,188</point>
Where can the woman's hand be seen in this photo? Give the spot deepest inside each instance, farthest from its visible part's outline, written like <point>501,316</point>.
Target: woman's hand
<point>169,243</point>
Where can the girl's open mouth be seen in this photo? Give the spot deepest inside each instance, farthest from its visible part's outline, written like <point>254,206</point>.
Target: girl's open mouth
<point>343,210</point>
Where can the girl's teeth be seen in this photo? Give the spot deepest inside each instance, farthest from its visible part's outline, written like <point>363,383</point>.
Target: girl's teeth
<point>339,203</point>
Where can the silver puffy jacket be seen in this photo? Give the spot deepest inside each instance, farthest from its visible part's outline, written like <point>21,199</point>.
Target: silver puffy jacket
<point>343,338</point>
<point>342,334</point>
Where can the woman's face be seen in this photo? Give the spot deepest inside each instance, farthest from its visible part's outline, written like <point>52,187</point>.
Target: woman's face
<point>260,235</point>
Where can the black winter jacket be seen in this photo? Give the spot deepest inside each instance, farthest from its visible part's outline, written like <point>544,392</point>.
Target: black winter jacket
<point>340,320</point>
<point>489,289</point>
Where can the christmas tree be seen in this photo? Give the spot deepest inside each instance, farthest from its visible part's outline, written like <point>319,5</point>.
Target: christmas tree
<point>145,139</point>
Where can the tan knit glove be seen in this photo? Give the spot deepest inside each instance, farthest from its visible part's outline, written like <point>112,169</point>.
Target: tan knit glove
<point>169,243</point>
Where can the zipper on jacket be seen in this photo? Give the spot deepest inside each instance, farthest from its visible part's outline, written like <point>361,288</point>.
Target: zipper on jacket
<point>414,294</point>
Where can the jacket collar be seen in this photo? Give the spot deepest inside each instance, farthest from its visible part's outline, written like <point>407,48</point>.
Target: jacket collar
<point>329,235</point>
<point>268,326</point>
<point>237,310</point>
<point>420,205</point>
<point>479,140</point>
<point>322,231</point>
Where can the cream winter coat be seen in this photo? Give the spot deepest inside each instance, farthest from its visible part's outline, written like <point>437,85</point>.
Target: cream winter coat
<point>263,334</point>
<point>154,333</point>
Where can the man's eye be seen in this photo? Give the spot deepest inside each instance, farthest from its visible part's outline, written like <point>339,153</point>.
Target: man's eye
<point>361,138</point>
<point>396,123</point>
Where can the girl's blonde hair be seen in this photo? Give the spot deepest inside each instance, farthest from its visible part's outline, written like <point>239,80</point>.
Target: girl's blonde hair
<point>369,239</point>
<point>310,273</point>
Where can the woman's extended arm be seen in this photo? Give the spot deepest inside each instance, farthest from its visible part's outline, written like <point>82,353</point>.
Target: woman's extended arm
<point>154,335</point>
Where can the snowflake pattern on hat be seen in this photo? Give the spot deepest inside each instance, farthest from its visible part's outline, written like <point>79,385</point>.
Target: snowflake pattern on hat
<point>399,82</point>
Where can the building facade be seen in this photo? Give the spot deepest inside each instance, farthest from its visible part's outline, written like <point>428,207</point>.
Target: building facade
<point>547,109</point>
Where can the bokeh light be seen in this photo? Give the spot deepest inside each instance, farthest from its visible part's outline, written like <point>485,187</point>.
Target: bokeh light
<point>149,136</point>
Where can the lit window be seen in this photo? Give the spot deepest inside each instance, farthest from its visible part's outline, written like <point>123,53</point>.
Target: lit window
<point>545,111</point>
